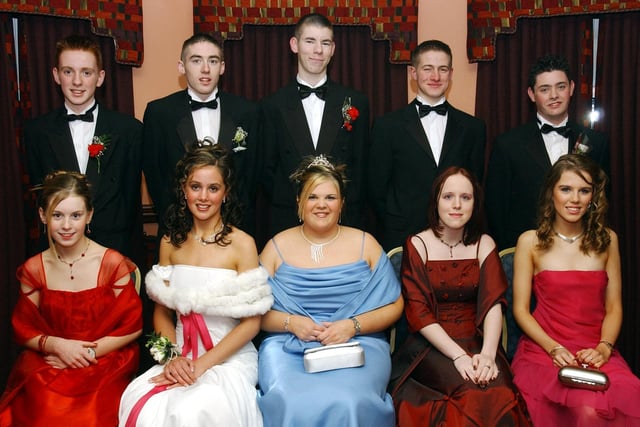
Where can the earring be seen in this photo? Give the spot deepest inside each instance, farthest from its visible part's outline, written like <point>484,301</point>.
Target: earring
<point>224,199</point>
<point>88,229</point>
<point>44,228</point>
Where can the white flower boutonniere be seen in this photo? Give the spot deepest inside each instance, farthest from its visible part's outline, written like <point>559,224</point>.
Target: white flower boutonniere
<point>239,139</point>
<point>98,146</point>
<point>582,145</point>
<point>161,348</point>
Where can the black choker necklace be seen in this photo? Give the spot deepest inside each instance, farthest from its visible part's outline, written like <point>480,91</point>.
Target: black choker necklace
<point>451,246</point>
<point>569,239</point>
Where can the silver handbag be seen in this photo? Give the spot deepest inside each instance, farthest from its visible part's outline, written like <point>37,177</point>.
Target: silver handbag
<point>583,377</point>
<point>335,356</point>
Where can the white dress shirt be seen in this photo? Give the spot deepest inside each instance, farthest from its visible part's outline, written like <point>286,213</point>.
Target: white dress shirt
<point>313,110</point>
<point>206,120</point>
<point>434,126</point>
<point>82,134</point>
<point>555,144</point>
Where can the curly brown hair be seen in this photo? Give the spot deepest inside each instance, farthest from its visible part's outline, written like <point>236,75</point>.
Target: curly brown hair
<point>178,219</point>
<point>596,236</point>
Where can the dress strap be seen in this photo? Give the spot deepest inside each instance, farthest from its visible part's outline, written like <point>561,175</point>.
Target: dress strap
<point>275,245</point>
<point>478,246</point>
<point>426,252</point>
<point>362,248</point>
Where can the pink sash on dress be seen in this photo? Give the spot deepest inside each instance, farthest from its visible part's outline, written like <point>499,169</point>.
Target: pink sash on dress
<point>193,326</point>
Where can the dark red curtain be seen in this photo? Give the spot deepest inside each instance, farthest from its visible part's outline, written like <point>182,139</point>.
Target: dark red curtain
<point>12,228</point>
<point>502,101</point>
<point>618,95</point>
<point>262,62</point>
<point>37,36</point>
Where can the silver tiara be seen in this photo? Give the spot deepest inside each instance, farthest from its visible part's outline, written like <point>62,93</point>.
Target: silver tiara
<point>321,160</point>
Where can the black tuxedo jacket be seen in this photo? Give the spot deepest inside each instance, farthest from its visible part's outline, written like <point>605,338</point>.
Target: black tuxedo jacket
<point>169,131</point>
<point>517,168</point>
<point>117,220</point>
<point>402,166</point>
<point>286,139</point>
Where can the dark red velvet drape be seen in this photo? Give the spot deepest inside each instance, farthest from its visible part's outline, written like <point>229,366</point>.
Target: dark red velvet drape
<point>262,62</point>
<point>502,101</point>
<point>37,36</point>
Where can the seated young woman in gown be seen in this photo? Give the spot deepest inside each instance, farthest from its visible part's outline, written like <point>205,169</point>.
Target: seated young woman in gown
<point>208,279</point>
<point>451,370</point>
<point>78,315</point>
<point>571,264</point>
<point>332,284</point>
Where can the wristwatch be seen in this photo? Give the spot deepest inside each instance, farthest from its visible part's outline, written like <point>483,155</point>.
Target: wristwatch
<point>356,325</point>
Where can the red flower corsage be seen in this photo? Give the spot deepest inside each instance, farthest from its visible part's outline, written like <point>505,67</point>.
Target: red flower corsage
<point>97,147</point>
<point>349,114</point>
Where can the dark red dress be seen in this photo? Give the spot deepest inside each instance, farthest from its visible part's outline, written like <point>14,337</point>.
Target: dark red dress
<point>38,395</point>
<point>427,389</point>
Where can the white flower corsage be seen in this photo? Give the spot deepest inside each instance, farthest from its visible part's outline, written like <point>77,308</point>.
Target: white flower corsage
<point>239,139</point>
<point>161,348</point>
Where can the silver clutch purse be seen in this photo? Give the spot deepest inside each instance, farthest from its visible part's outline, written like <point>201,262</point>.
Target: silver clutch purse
<point>583,377</point>
<point>335,356</point>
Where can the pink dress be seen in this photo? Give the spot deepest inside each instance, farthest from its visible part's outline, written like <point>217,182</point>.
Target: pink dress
<point>570,308</point>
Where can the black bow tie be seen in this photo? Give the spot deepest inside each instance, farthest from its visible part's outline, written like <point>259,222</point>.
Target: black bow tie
<point>196,105</point>
<point>426,109</point>
<point>564,131</point>
<point>85,117</point>
<point>305,91</point>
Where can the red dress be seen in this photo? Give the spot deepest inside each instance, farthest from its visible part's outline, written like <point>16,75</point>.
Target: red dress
<point>38,395</point>
<point>570,307</point>
<point>428,390</point>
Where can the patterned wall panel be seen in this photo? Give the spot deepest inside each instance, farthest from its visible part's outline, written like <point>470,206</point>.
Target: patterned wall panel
<point>118,19</point>
<point>392,20</point>
<point>487,19</point>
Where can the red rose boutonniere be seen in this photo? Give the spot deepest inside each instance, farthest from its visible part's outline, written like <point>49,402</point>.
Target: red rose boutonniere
<point>97,147</point>
<point>349,114</point>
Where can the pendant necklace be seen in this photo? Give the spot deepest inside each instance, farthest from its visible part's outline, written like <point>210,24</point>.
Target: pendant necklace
<point>70,264</point>
<point>316,248</point>
<point>569,239</point>
<point>209,240</point>
<point>451,246</point>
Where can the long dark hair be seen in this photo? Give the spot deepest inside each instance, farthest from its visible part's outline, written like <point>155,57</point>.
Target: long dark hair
<point>474,228</point>
<point>178,219</point>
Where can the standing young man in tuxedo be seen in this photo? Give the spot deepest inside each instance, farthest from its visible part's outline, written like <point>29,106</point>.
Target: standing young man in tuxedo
<point>200,112</point>
<point>521,157</point>
<point>85,136</point>
<point>413,145</point>
<point>312,115</point>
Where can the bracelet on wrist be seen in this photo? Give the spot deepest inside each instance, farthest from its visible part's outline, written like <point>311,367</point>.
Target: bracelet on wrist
<point>608,344</point>
<point>287,321</point>
<point>458,357</point>
<point>552,352</point>
<point>42,342</point>
<point>356,325</point>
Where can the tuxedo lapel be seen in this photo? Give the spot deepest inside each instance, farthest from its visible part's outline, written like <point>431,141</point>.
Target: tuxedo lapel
<point>296,121</point>
<point>534,146</point>
<point>103,125</point>
<point>227,128</point>
<point>331,119</point>
<point>452,134</point>
<point>61,143</point>
<point>185,127</point>
<point>413,126</point>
